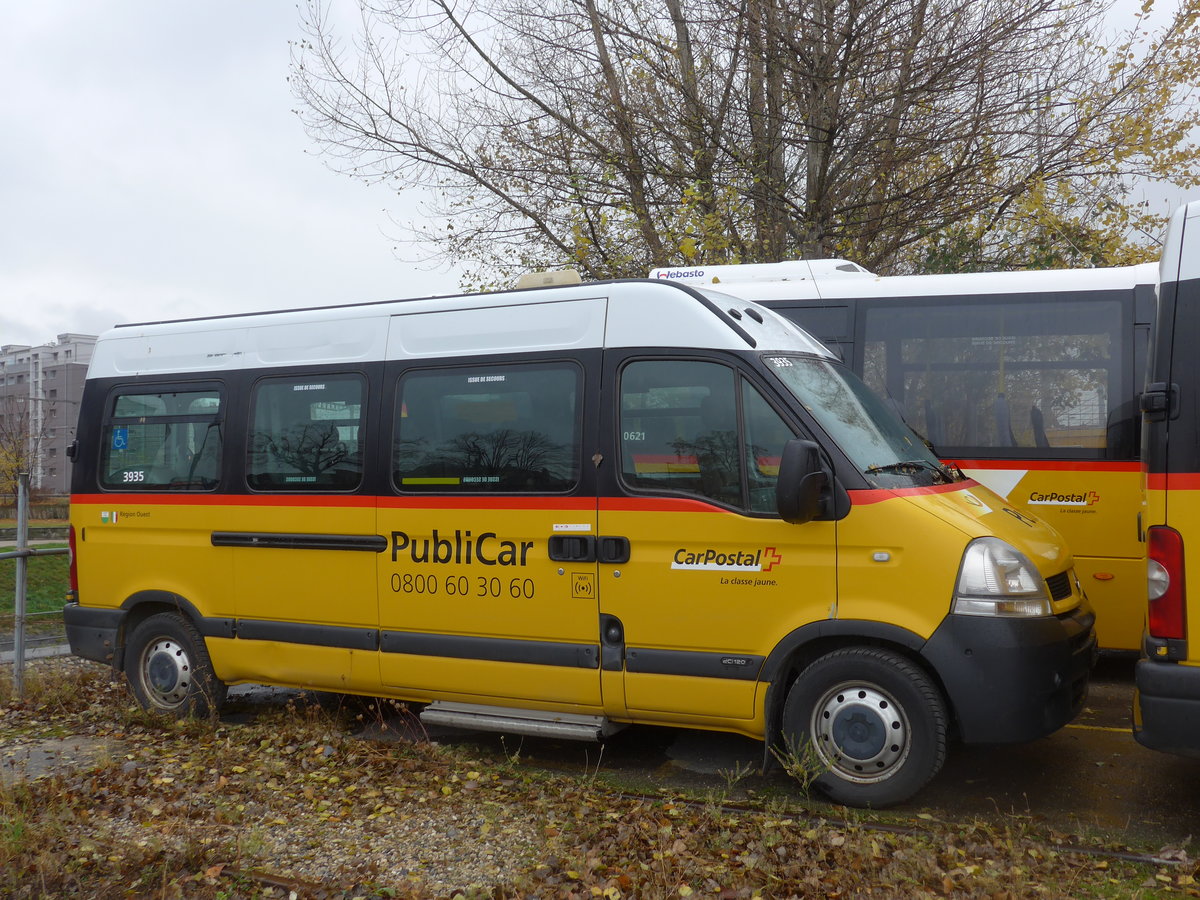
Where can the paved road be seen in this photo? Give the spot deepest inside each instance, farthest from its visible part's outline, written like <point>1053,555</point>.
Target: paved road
<point>1090,775</point>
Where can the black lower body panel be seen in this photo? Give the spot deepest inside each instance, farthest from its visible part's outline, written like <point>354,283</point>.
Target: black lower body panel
<point>1014,679</point>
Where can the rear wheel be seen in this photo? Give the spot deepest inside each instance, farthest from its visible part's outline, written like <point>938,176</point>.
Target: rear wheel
<point>169,669</point>
<point>875,723</point>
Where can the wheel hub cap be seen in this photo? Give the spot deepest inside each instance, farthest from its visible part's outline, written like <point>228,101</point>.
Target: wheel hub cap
<point>167,672</point>
<point>860,732</point>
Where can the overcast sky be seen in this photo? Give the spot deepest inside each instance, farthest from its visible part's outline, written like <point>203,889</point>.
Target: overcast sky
<point>151,167</point>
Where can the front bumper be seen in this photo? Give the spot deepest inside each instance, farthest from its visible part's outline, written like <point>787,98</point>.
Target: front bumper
<point>1166,707</point>
<point>94,633</point>
<point>1011,680</point>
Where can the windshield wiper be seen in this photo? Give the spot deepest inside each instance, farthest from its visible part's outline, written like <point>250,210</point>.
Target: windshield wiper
<point>912,467</point>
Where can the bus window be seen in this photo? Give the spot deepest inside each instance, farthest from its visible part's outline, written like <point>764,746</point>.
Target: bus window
<point>679,428</point>
<point>986,378</point>
<point>483,429</point>
<point>680,432</point>
<point>305,434</point>
<point>162,440</point>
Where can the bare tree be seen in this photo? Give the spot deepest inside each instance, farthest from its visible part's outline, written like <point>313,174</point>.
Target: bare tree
<point>22,434</point>
<point>617,136</point>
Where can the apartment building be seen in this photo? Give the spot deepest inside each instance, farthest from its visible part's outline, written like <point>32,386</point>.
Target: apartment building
<point>40,391</point>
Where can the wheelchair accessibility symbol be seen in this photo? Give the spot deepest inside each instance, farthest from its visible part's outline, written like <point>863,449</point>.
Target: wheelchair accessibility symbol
<point>583,585</point>
<point>120,438</point>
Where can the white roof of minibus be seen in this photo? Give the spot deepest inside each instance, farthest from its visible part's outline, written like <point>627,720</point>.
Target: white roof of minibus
<point>602,314</point>
<point>845,286</point>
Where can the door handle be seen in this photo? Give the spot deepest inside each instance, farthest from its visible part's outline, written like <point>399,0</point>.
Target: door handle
<point>572,548</point>
<point>588,548</point>
<point>613,549</point>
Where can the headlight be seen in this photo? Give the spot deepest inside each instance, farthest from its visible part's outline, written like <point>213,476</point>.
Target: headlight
<point>997,580</point>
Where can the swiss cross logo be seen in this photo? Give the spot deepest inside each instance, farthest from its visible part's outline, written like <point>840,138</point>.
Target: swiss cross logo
<point>770,559</point>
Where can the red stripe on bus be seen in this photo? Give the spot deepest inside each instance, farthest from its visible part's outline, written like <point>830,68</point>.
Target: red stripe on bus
<point>1048,465</point>
<point>657,504</point>
<point>584,504</point>
<point>357,501</point>
<point>173,499</point>
<point>580,504</point>
<point>1173,481</point>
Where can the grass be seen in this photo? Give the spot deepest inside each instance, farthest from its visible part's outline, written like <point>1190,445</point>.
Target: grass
<point>290,802</point>
<point>45,577</point>
<point>45,583</point>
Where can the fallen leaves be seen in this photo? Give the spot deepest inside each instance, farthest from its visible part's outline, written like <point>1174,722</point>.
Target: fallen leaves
<point>291,803</point>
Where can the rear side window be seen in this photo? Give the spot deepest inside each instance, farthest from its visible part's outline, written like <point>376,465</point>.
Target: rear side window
<point>162,440</point>
<point>305,434</point>
<point>488,429</point>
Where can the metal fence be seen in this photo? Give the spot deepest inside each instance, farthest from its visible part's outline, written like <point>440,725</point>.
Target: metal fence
<point>21,553</point>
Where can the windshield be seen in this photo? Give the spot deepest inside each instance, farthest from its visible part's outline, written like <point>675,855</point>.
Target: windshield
<point>868,431</point>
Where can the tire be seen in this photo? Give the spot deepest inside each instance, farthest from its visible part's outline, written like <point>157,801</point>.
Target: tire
<point>168,668</point>
<point>876,724</point>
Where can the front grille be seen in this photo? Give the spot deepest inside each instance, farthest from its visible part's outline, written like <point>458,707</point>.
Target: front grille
<point>1060,585</point>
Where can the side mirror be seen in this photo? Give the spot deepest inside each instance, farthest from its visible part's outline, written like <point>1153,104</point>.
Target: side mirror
<point>802,482</point>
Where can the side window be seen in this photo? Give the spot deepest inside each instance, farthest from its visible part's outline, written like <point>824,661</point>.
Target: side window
<point>987,376</point>
<point>305,434</point>
<point>680,432</point>
<point>488,429</point>
<point>679,428</point>
<point>168,439</point>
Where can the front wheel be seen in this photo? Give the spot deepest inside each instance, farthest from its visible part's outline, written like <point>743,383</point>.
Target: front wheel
<point>875,723</point>
<point>169,670</point>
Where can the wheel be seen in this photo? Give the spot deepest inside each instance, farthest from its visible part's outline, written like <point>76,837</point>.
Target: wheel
<point>875,722</point>
<point>169,670</point>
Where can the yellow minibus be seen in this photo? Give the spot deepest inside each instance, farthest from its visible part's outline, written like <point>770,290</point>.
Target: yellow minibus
<point>558,511</point>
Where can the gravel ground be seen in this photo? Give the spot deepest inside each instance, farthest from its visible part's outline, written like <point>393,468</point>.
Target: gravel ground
<point>316,819</point>
<point>440,847</point>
